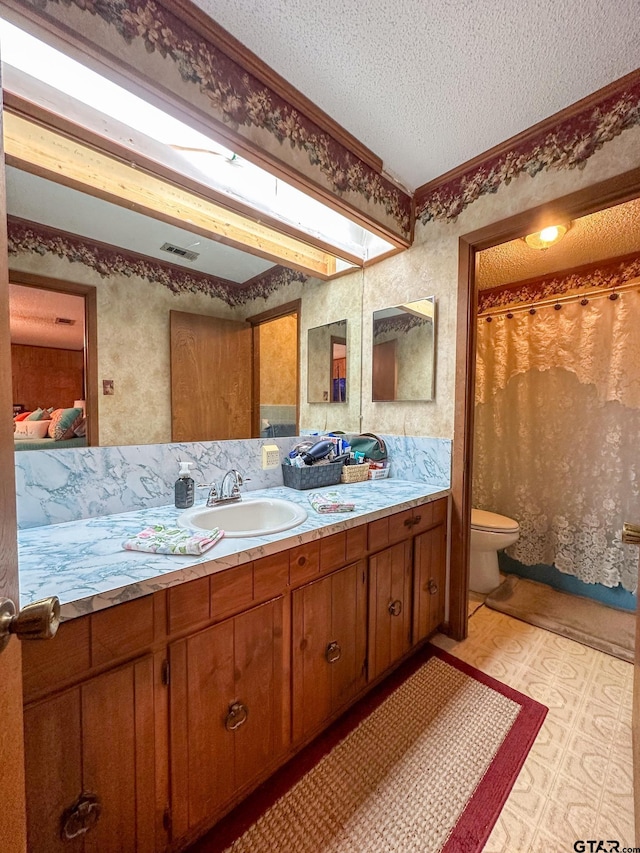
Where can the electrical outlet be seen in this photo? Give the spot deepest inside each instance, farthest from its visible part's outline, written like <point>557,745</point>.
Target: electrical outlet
<point>270,456</point>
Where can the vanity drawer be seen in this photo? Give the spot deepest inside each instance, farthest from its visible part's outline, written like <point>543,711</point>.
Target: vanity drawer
<point>395,528</point>
<point>51,665</point>
<point>231,591</point>
<point>188,605</point>
<point>270,576</point>
<point>304,563</point>
<point>124,631</point>
<point>342,548</point>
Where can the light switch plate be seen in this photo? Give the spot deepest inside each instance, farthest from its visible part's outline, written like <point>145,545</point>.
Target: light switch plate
<point>270,456</point>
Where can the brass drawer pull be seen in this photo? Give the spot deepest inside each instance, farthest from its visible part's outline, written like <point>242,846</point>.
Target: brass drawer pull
<point>80,817</point>
<point>408,522</point>
<point>236,717</point>
<point>417,519</point>
<point>333,652</point>
<point>302,561</point>
<point>395,607</point>
<point>432,586</point>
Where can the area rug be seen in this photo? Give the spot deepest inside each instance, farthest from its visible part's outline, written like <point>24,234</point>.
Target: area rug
<point>422,765</point>
<point>582,619</point>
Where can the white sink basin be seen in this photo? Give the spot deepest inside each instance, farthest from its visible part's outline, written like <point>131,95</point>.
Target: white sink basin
<point>248,517</point>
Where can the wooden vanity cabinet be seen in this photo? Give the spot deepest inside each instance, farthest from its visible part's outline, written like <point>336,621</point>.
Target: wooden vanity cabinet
<point>390,607</point>
<point>429,581</point>
<point>229,715</point>
<point>329,647</point>
<point>147,721</point>
<point>90,765</point>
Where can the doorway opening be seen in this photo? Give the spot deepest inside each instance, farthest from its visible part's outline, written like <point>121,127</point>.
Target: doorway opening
<point>276,370</point>
<point>54,359</point>
<point>573,206</point>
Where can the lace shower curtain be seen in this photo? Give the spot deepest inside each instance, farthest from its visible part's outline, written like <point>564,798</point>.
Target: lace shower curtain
<point>557,435</point>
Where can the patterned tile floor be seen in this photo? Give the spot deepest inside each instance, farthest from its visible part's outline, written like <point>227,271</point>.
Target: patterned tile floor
<point>577,780</point>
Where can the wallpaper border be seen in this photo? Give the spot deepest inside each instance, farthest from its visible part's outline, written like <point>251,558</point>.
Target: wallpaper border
<point>602,274</point>
<point>564,141</point>
<point>33,238</point>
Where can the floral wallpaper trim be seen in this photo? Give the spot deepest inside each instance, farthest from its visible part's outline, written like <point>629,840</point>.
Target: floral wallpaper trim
<point>601,275</point>
<point>240,100</point>
<point>569,144</point>
<point>27,237</point>
<point>403,323</point>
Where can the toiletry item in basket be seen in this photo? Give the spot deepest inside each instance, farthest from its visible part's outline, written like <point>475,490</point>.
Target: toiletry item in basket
<point>320,450</point>
<point>184,490</point>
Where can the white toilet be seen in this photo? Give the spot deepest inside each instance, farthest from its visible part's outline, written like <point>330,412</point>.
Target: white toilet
<point>490,533</point>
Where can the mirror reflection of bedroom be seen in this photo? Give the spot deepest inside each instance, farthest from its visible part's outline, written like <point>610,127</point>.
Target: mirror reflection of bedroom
<point>48,367</point>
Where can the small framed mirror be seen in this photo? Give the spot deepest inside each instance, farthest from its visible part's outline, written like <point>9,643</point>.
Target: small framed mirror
<point>327,363</point>
<point>403,352</point>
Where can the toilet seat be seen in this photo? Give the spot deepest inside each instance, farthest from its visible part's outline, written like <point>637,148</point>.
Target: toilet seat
<point>492,522</point>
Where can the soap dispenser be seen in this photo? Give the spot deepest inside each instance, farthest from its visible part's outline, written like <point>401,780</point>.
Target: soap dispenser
<point>185,487</point>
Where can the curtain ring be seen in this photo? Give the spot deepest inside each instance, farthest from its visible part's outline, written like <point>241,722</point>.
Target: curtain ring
<point>489,319</point>
<point>613,296</point>
<point>509,315</point>
<point>532,310</point>
<point>557,306</point>
<point>584,301</point>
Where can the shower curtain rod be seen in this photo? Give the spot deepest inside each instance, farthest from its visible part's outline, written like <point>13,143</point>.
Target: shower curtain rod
<point>532,307</point>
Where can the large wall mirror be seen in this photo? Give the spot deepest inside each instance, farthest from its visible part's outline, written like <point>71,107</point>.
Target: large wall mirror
<point>403,352</point>
<point>327,355</point>
<point>148,288</point>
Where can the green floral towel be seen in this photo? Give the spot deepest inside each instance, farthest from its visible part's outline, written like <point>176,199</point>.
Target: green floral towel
<point>159,539</point>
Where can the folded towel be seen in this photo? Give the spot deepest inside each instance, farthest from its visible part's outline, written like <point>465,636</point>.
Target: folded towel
<point>329,502</point>
<point>159,539</point>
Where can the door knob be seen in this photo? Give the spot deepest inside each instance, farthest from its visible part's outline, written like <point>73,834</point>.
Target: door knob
<point>631,533</point>
<point>36,621</point>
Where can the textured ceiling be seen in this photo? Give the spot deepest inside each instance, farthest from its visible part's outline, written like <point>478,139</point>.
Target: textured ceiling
<point>426,84</point>
<point>606,234</point>
<point>33,313</point>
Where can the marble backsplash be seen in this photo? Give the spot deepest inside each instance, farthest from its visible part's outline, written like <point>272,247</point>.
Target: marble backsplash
<point>54,486</point>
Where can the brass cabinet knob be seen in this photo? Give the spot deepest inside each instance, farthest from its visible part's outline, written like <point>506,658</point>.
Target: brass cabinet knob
<point>80,817</point>
<point>36,621</point>
<point>236,717</point>
<point>631,533</point>
<point>395,607</point>
<point>333,652</point>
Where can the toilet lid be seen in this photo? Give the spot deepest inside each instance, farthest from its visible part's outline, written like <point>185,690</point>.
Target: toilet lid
<point>483,520</point>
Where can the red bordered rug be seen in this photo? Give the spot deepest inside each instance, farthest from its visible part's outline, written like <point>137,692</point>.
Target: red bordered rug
<point>423,764</point>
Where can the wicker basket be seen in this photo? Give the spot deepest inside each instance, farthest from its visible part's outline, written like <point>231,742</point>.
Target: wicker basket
<point>355,473</point>
<point>311,476</point>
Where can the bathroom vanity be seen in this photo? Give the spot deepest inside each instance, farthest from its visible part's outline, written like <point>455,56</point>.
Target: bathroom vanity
<point>149,719</point>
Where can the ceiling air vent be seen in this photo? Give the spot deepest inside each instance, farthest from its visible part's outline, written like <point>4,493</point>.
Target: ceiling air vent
<point>187,254</point>
<point>65,321</point>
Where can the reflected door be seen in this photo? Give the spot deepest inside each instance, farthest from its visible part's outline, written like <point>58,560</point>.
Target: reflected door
<point>211,387</point>
<point>385,371</point>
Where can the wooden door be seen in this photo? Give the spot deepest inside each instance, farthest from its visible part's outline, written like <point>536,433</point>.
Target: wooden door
<point>90,761</point>
<point>12,798</point>
<point>385,371</point>
<point>429,582</point>
<point>329,646</point>
<point>211,378</point>
<point>226,711</point>
<point>390,602</point>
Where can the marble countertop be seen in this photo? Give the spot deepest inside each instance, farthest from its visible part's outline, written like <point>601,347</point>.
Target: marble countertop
<point>84,564</point>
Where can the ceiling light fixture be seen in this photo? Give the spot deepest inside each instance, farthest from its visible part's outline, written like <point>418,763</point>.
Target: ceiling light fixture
<point>547,236</point>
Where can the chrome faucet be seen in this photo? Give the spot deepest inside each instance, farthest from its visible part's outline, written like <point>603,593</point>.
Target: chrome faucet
<point>229,488</point>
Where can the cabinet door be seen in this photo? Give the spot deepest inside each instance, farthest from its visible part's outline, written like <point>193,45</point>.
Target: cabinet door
<point>226,711</point>
<point>429,581</point>
<point>90,765</point>
<point>329,646</point>
<point>390,603</point>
